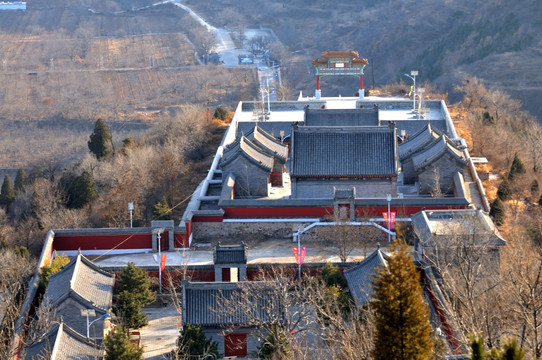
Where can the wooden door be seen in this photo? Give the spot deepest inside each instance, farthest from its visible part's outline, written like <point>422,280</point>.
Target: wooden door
<point>235,345</point>
<point>226,275</point>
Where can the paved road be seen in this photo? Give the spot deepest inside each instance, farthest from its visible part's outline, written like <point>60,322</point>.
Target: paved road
<point>160,335</point>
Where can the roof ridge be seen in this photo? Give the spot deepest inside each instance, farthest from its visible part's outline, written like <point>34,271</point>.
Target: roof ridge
<point>60,331</point>
<point>75,271</point>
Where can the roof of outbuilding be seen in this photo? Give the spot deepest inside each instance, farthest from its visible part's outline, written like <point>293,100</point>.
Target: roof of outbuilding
<point>360,277</point>
<point>272,128</point>
<point>435,150</point>
<point>244,147</point>
<point>267,142</point>
<point>417,142</point>
<point>230,254</point>
<point>344,152</point>
<point>341,117</point>
<point>441,225</point>
<point>203,301</point>
<point>84,278</point>
<point>67,344</point>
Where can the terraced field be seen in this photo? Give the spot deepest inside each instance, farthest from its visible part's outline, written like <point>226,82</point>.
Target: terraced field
<point>62,66</point>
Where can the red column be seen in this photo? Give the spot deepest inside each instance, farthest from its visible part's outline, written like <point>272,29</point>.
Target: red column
<point>361,82</point>
<point>317,82</point>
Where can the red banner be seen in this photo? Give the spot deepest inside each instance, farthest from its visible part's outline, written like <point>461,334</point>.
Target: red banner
<point>296,252</point>
<point>163,261</point>
<point>390,223</point>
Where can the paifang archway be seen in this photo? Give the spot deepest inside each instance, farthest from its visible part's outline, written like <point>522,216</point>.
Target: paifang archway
<point>335,63</point>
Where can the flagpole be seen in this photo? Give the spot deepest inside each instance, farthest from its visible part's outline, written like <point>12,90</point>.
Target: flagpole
<point>299,255</point>
<point>388,198</point>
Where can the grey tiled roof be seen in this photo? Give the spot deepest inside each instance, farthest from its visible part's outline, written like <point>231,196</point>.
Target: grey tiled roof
<point>84,278</point>
<point>202,300</point>
<point>357,151</point>
<point>414,126</point>
<point>417,141</point>
<point>273,128</point>
<point>360,277</point>
<point>342,117</point>
<point>267,142</point>
<point>230,254</point>
<point>244,147</point>
<point>67,344</point>
<point>435,150</point>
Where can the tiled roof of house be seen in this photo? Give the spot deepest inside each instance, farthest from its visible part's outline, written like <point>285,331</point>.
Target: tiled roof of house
<point>341,117</point>
<point>273,128</point>
<point>202,301</point>
<point>84,278</point>
<point>230,254</point>
<point>344,152</point>
<point>360,277</point>
<point>66,344</point>
<point>435,150</point>
<point>244,147</point>
<point>417,142</point>
<point>267,142</point>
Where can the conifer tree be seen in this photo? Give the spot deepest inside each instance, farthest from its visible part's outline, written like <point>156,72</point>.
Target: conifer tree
<point>192,342</point>
<point>136,281</point>
<point>497,211</point>
<point>504,192</point>
<point>511,351</point>
<point>7,193</point>
<point>402,329</point>
<point>20,180</point>
<point>128,310</point>
<point>516,168</point>
<point>100,143</point>
<point>477,348</point>
<point>81,191</point>
<point>118,346</point>
<point>161,211</point>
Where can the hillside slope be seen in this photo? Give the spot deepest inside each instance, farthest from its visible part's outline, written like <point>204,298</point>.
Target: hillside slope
<point>497,41</point>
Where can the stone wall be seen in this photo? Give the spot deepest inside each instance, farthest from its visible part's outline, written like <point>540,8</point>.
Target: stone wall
<point>245,230</point>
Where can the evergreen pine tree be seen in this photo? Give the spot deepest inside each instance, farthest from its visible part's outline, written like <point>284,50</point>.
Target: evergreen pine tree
<point>100,143</point>
<point>516,168</point>
<point>136,281</point>
<point>220,113</point>
<point>497,211</point>
<point>402,329</point>
<point>161,211</point>
<point>504,192</point>
<point>20,180</point>
<point>81,191</point>
<point>7,193</point>
<point>331,275</point>
<point>192,342</point>
<point>511,351</point>
<point>118,347</point>
<point>128,310</point>
<point>477,348</point>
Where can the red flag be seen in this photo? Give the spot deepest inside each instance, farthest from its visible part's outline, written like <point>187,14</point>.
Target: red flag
<point>385,215</point>
<point>303,252</point>
<point>392,220</point>
<point>163,261</point>
<point>296,254</point>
